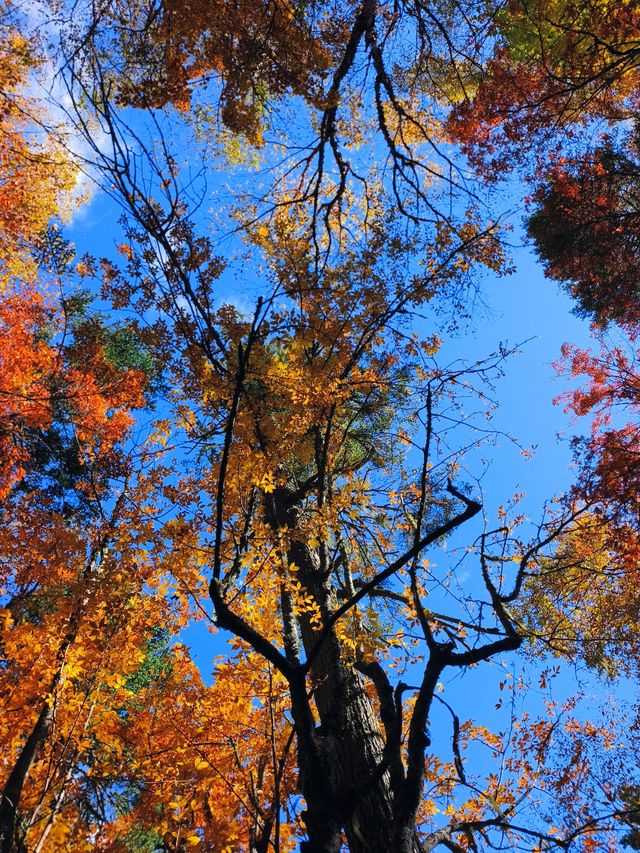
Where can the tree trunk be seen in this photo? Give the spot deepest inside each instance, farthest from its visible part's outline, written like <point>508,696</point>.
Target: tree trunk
<point>355,794</point>
<point>10,797</point>
<point>15,783</point>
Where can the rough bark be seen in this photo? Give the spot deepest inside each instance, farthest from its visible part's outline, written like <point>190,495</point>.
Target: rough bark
<point>355,794</point>
<point>15,783</point>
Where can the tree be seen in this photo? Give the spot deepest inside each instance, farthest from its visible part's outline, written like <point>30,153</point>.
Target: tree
<point>553,66</point>
<point>293,409</point>
<point>592,245</point>
<point>67,392</point>
<point>64,423</point>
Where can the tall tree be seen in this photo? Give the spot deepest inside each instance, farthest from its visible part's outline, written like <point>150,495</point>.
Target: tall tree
<point>303,509</point>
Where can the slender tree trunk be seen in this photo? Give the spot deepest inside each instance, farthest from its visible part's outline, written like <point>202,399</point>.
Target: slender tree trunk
<point>13,788</point>
<point>10,797</point>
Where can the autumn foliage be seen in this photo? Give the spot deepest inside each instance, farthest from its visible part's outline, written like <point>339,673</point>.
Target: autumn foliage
<point>553,65</point>
<point>585,230</point>
<point>275,475</point>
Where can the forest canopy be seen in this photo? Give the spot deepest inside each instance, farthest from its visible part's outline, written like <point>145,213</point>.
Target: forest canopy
<point>237,242</point>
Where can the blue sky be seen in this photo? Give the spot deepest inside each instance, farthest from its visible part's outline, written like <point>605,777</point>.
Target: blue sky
<point>526,307</point>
